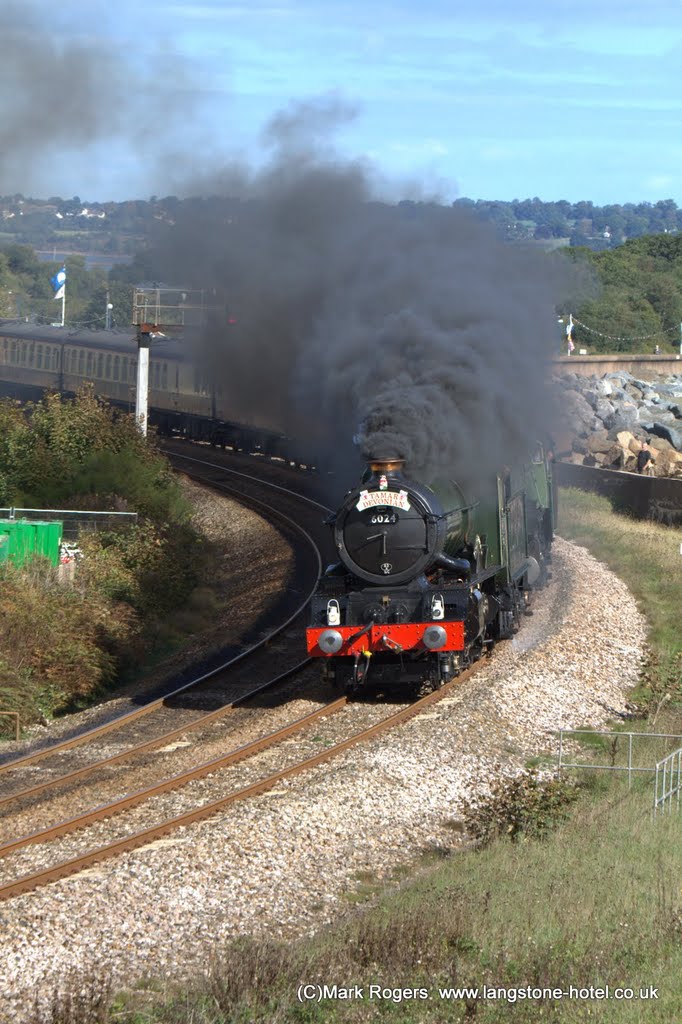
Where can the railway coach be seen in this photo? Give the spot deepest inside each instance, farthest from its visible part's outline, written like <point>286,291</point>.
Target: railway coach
<point>183,398</point>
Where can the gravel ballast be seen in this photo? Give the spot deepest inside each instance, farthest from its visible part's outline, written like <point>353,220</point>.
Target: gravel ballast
<point>281,863</point>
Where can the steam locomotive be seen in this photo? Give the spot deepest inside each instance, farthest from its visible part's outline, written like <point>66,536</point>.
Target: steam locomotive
<point>428,580</point>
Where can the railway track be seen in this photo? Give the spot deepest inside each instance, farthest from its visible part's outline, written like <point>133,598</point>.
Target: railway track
<point>166,720</point>
<point>185,701</point>
<point>37,856</point>
<point>257,779</point>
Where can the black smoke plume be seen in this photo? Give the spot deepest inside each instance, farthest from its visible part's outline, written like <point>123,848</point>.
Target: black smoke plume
<point>406,329</point>
<point>66,85</point>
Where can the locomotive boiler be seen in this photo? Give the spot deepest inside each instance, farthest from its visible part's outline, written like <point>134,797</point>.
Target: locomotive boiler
<point>428,579</point>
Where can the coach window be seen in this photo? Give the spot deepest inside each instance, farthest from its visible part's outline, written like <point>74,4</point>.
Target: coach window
<point>22,354</point>
<point>117,363</point>
<point>124,369</point>
<point>31,354</point>
<point>81,363</point>
<point>39,357</point>
<point>88,364</point>
<point>200,383</point>
<point>55,358</point>
<point>107,371</point>
<point>100,362</point>
<point>164,376</point>
<point>4,350</point>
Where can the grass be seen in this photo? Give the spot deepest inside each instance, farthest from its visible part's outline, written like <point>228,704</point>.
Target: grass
<point>648,557</point>
<point>597,901</point>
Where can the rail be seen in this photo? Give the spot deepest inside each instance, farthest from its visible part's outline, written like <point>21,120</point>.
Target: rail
<point>62,870</point>
<point>668,782</point>
<point>128,717</point>
<point>73,519</point>
<point>667,773</point>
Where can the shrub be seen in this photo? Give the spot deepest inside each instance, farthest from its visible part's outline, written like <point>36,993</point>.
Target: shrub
<point>53,642</point>
<point>61,645</point>
<point>526,806</point>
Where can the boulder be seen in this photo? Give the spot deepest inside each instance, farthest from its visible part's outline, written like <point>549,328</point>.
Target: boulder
<point>668,463</point>
<point>598,442</point>
<point>624,437</point>
<point>605,410</point>
<point>609,417</point>
<point>580,414</point>
<point>625,417</point>
<point>616,457</point>
<point>669,433</point>
<point>660,444</point>
<point>659,413</point>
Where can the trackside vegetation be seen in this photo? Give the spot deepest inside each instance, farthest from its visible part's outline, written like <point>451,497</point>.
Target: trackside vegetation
<point>572,888</point>
<point>61,645</point>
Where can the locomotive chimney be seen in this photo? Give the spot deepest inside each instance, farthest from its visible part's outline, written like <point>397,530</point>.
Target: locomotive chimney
<point>385,464</point>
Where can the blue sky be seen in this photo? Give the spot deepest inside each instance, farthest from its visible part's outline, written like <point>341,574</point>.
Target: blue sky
<point>561,100</point>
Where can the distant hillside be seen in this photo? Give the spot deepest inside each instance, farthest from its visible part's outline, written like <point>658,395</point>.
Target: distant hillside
<point>634,251</point>
<point>577,224</point>
<point>94,227</point>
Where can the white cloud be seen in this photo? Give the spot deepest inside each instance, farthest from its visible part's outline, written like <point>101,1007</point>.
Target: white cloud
<point>419,148</point>
<point>660,181</point>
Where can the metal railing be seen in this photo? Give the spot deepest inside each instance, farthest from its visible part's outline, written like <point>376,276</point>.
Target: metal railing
<point>667,773</point>
<point>74,520</point>
<point>668,784</point>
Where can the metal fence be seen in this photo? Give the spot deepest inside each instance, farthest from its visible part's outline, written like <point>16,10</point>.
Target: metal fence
<point>74,520</point>
<point>666,774</point>
<point>668,784</point>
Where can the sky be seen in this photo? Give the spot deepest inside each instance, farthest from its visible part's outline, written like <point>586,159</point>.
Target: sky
<point>560,99</point>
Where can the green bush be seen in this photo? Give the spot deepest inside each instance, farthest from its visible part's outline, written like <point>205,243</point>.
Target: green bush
<point>526,806</point>
<point>54,642</point>
<point>62,644</point>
